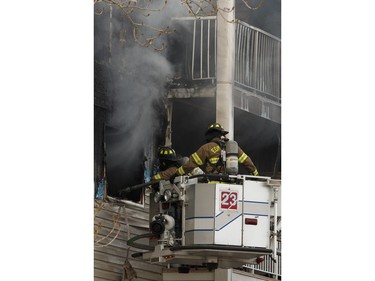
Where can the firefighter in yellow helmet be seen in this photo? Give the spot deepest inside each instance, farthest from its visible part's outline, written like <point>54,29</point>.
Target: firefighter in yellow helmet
<point>208,156</point>
<point>169,162</point>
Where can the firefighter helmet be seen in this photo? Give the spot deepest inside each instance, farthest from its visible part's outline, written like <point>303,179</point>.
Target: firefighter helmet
<point>167,153</point>
<point>216,127</point>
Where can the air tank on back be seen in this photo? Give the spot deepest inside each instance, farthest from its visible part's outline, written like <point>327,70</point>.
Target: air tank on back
<point>231,148</point>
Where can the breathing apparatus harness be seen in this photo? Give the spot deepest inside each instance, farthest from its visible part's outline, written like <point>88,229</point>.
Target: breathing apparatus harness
<point>229,149</point>
<point>221,162</point>
<point>228,156</point>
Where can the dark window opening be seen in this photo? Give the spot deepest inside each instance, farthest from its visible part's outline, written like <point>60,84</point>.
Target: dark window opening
<point>190,120</point>
<point>127,163</point>
<point>122,170</point>
<point>257,136</point>
<point>260,138</point>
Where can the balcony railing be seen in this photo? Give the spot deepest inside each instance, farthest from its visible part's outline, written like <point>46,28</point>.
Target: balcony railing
<point>257,56</point>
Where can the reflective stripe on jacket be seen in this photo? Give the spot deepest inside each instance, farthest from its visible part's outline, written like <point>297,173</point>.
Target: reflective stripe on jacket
<point>166,174</point>
<point>208,156</point>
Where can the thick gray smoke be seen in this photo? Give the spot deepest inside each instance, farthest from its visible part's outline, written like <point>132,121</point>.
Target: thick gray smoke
<point>138,76</point>
<point>134,96</point>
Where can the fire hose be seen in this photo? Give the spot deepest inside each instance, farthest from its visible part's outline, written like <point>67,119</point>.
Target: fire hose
<point>136,187</point>
<point>131,242</point>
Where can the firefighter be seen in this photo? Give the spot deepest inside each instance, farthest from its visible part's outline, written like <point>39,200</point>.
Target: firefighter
<point>208,156</point>
<point>169,162</point>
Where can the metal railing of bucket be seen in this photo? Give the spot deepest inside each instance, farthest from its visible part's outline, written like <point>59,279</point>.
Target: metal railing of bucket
<point>268,266</point>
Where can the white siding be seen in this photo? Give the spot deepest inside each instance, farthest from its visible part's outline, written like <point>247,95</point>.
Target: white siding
<point>110,221</point>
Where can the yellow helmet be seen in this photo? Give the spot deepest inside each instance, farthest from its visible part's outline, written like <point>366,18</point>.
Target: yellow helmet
<point>167,153</point>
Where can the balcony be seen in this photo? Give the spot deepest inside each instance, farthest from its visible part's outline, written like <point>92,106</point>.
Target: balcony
<point>257,70</point>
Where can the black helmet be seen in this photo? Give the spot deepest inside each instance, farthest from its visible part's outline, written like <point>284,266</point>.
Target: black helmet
<point>214,131</point>
<point>216,127</point>
<point>167,153</point>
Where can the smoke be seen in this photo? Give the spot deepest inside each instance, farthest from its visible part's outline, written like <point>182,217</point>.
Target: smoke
<point>135,95</point>
<point>138,76</point>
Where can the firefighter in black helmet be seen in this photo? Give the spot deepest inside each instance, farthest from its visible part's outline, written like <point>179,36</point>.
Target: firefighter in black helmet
<point>169,162</point>
<point>208,155</point>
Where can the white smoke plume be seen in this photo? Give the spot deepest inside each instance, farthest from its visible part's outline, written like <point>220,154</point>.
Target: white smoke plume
<point>137,88</point>
<point>134,96</point>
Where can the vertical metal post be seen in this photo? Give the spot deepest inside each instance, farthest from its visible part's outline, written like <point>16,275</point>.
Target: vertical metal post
<point>256,84</point>
<point>168,133</point>
<point>215,51</point>
<point>225,64</point>
<point>275,202</point>
<point>183,218</point>
<point>201,58</point>
<point>110,33</point>
<point>208,48</point>
<point>193,54</point>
